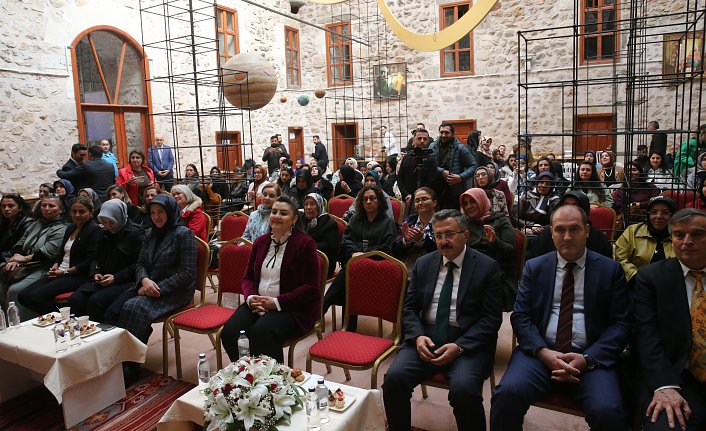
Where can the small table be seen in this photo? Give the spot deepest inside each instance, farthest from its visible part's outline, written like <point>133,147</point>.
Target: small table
<point>366,413</point>
<point>84,379</point>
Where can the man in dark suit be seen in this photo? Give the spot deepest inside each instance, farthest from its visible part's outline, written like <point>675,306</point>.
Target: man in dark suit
<point>418,168</point>
<point>451,317</point>
<point>160,159</point>
<point>571,321</point>
<point>320,154</point>
<point>79,153</point>
<point>95,173</point>
<point>659,139</point>
<point>669,306</point>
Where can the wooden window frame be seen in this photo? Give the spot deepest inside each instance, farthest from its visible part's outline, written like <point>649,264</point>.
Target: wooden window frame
<point>339,65</point>
<point>456,50</point>
<point>222,52</point>
<point>291,45</point>
<point>599,34</point>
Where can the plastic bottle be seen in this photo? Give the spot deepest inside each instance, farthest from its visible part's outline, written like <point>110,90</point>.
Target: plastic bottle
<point>3,322</point>
<point>322,395</point>
<point>13,316</point>
<point>74,332</point>
<point>313,418</point>
<point>60,337</point>
<point>243,345</point>
<point>203,369</point>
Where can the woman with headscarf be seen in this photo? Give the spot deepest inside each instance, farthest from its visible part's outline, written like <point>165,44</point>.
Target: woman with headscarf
<point>498,202</point>
<point>65,189</point>
<point>91,194</point>
<point>14,221</point>
<point>697,173</point>
<point>492,235</point>
<point>348,183</point>
<point>259,220</point>
<point>323,186</point>
<point>36,250</point>
<point>191,213</point>
<point>639,192</point>
<point>118,192</point>
<point>417,237</point>
<point>322,228</point>
<point>352,162</point>
<point>588,183</point>
<point>610,173</point>
<point>494,174</point>
<point>298,163</point>
<point>113,266</point>
<point>165,274</point>
<point>71,267</point>
<point>304,185</point>
<point>535,206</point>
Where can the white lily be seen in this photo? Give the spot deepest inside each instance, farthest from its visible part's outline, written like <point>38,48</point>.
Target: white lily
<point>249,410</point>
<point>221,412</point>
<point>283,403</point>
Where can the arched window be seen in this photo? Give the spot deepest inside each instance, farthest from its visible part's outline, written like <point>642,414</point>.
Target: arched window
<point>112,97</point>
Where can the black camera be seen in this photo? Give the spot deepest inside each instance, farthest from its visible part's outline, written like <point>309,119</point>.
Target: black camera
<point>420,152</point>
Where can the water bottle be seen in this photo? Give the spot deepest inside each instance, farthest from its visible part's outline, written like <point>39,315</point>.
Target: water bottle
<point>243,345</point>
<point>3,322</point>
<point>74,331</point>
<point>203,369</point>
<point>13,316</point>
<point>313,418</point>
<point>60,337</point>
<point>322,395</point>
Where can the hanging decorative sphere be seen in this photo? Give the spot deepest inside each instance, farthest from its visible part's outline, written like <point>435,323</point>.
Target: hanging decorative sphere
<point>303,100</point>
<point>251,90</point>
<point>283,99</point>
<point>319,92</point>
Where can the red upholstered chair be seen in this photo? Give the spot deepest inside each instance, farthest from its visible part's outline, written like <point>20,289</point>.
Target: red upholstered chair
<point>207,318</point>
<point>520,252</point>
<point>338,205</point>
<point>317,329</point>
<point>62,298</point>
<point>397,209</point>
<point>202,256</point>
<point>682,198</point>
<point>341,228</point>
<point>350,350</point>
<point>439,381</point>
<point>603,219</point>
<point>233,225</point>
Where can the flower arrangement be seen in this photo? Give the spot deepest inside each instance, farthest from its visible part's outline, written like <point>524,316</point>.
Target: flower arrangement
<point>253,393</point>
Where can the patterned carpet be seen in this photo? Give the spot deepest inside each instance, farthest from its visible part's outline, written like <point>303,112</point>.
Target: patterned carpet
<point>145,402</point>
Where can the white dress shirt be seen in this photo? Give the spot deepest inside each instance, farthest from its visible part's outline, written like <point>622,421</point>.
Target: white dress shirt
<point>270,274</point>
<point>430,314</point>
<point>578,331</point>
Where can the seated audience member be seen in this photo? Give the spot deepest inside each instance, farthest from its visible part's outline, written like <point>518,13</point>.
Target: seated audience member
<point>507,172</point>
<point>610,173</point>
<point>281,288</point>
<point>118,192</point>
<point>298,163</point>
<point>544,164</point>
<point>498,202</point>
<point>257,185</point>
<point>136,177</point>
<point>700,200</point>
<point>535,206</point>
<point>371,178</point>
<point>303,187</point>
<point>597,240</point>
<point>71,266</point>
<point>323,186</point>
<point>14,221</point>
<point>285,180</point>
<point>45,189</point>
<point>417,235</point>
<point>219,184</point>
<point>91,195</point>
<point>697,173</point>
<point>65,189</point>
<point>165,273</point>
<point>657,174</point>
<point>590,157</point>
<point>668,337</point>
<point>36,250</point>
<point>321,228</point>
<point>640,191</point>
<point>352,162</point>
<point>259,220</point>
<point>572,324</point>
<point>369,229</point>
<point>145,221</point>
<point>191,213</point>
<point>112,269</point>
<point>643,158</point>
<point>561,183</point>
<point>447,331</point>
<point>492,235</point>
<point>348,183</point>
<point>494,179</point>
<point>588,183</point>
<point>191,177</point>
<point>647,242</point>
<point>390,175</point>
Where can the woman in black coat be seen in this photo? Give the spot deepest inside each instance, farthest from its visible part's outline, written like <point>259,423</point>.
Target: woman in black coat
<point>71,267</point>
<point>13,223</point>
<point>322,228</point>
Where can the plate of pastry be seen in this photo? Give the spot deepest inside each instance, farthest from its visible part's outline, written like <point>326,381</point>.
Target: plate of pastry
<point>339,401</point>
<point>300,376</point>
<point>45,320</point>
<point>92,329</point>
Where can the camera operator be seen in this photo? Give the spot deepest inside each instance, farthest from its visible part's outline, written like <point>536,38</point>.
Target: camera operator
<point>418,168</point>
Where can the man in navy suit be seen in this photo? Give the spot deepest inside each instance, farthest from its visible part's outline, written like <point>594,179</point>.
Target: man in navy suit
<point>161,160</point>
<point>95,173</point>
<point>571,321</point>
<point>451,317</point>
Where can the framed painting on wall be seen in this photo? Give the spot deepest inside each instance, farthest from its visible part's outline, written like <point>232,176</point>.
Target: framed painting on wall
<point>390,81</point>
<point>682,53</point>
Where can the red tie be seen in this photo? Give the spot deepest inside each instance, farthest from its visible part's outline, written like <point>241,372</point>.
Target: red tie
<point>564,328</point>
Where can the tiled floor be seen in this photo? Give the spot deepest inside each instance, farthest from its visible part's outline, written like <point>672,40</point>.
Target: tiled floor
<point>433,413</point>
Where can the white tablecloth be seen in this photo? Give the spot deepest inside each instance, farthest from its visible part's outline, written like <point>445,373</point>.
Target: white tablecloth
<point>366,413</point>
<point>32,348</point>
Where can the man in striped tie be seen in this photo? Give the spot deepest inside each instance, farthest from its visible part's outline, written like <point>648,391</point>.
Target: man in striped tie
<point>571,322</point>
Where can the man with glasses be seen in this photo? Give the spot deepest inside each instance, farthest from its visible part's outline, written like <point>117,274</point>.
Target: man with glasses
<point>456,166</point>
<point>451,317</point>
<point>571,321</point>
<point>418,168</point>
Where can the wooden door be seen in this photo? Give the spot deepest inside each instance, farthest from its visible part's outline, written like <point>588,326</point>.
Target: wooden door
<point>296,143</point>
<point>228,150</point>
<point>462,128</point>
<point>594,124</point>
<point>345,139</point>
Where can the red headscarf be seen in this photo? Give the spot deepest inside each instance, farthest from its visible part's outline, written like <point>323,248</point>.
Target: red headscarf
<point>478,195</point>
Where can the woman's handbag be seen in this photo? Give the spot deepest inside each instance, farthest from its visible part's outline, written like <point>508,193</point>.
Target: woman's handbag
<point>10,277</point>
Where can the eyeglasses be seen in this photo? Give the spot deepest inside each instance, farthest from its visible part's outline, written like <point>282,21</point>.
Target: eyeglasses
<point>446,235</point>
<point>658,212</point>
<point>421,200</point>
<point>370,199</point>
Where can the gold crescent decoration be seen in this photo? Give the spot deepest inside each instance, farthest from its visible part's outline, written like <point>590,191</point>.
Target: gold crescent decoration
<point>437,40</point>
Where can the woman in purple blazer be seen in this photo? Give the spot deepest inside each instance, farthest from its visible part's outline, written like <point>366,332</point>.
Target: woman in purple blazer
<point>281,288</point>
